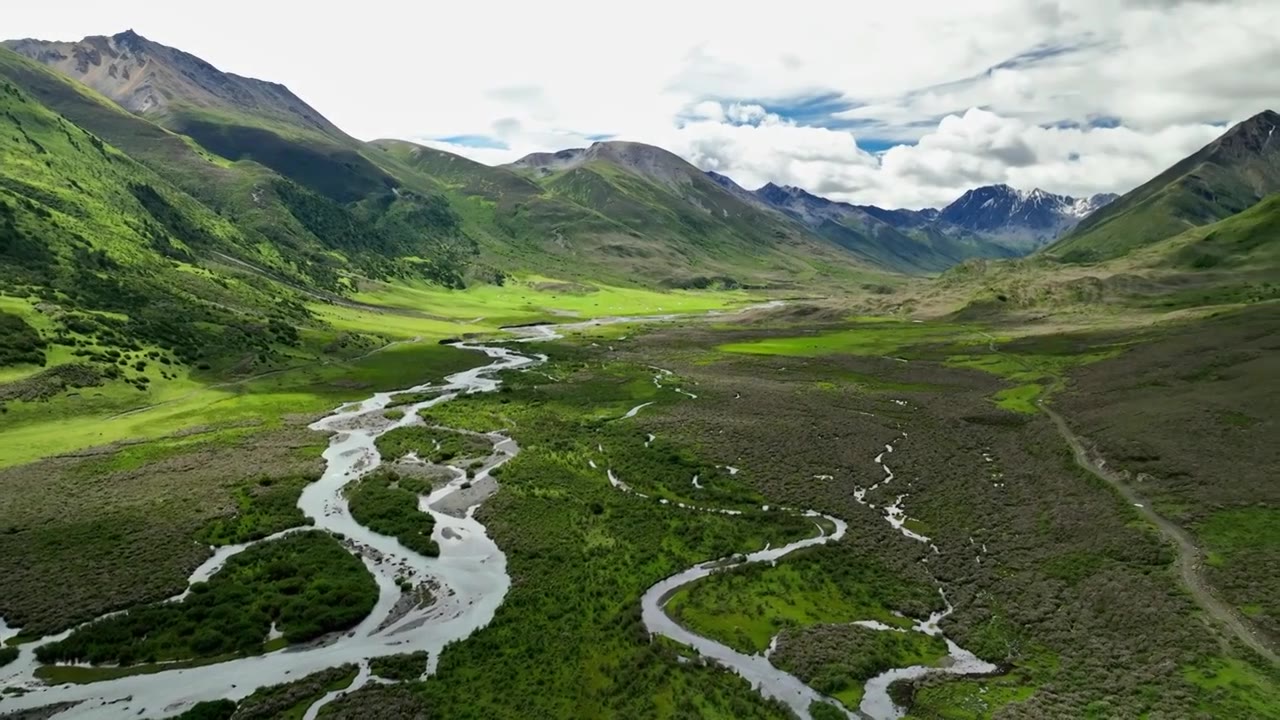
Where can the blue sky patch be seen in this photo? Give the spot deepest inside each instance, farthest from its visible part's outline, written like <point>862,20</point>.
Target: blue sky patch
<point>475,141</point>
<point>876,145</point>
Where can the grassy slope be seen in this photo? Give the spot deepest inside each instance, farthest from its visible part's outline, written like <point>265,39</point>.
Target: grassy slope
<point>206,177</point>
<point>448,208</point>
<point>1231,262</point>
<point>1222,179</point>
<point>301,224</point>
<point>108,263</point>
<point>97,258</point>
<point>1246,241</point>
<point>697,224</point>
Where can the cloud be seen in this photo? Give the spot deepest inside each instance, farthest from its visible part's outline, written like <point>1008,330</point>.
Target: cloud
<point>908,104</point>
<point>974,148</point>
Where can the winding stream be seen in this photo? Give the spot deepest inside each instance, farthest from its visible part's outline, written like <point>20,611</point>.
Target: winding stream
<point>468,579</point>
<point>469,576</point>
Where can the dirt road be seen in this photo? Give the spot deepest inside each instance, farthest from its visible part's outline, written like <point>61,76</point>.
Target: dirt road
<point>1190,556</point>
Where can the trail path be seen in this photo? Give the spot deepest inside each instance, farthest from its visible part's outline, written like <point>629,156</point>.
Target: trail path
<point>1190,555</point>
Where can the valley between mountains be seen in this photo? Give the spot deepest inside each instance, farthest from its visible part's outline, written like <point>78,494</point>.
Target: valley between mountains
<point>295,425</point>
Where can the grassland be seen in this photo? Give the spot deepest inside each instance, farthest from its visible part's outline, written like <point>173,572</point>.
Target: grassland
<point>308,383</point>
<point>348,359</point>
<point>1035,364</point>
<point>402,667</point>
<point>126,524</point>
<point>532,299</point>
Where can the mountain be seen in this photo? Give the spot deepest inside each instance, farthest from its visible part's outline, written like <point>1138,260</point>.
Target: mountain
<point>902,219</point>
<point>109,247</point>
<point>314,205</point>
<point>993,221</point>
<point>1030,219</point>
<point>1205,232</point>
<point>913,249</point>
<point>235,117</point>
<point>1227,176</point>
<point>665,209</point>
<point>157,81</point>
<point>288,227</point>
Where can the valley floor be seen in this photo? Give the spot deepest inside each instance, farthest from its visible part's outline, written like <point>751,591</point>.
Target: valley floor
<point>953,453</point>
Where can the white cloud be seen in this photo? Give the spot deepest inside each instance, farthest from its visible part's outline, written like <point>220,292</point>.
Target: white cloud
<point>709,80</point>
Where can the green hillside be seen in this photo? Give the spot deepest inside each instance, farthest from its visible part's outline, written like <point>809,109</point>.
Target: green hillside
<point>1226,177</point>
<point>665,213</point>
<point>325,210</point>
<point>1247,240</point>
<point>285,228</point>
<point>106,251</point>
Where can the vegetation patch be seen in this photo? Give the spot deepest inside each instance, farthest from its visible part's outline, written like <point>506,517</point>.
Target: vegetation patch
<point>264,506</point>
<point>379,503</point>
<point>1021,398</point>
<point>305,585</point>
<point>746,607</point>
<point>433,445</point>
<point>20,344</point>
<point>1243,545</point>
<point>837,660</point>
<point>1231,688</point>
<point>965,699</point>
<point>290,701</point>
<point>85,674</point>
<point>119,526</point>
<point>402,667</point>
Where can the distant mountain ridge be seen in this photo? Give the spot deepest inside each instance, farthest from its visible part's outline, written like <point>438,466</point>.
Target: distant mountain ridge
<point>1003,209</point>
<point>991,221</point>
<point>635,212</point>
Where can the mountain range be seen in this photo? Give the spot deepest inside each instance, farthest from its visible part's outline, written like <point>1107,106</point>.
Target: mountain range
<point>991,221</point>
<point>297,199</point>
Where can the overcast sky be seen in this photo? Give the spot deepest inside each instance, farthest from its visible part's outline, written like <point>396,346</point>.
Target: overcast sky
<point>904,103</point>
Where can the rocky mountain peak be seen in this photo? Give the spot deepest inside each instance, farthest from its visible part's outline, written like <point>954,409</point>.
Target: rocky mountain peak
<point>1254,136</point>
<point>129,40</point>
<point>148,78</point>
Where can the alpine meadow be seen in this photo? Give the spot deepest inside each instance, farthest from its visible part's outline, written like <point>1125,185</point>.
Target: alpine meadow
<point>708,371</point>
